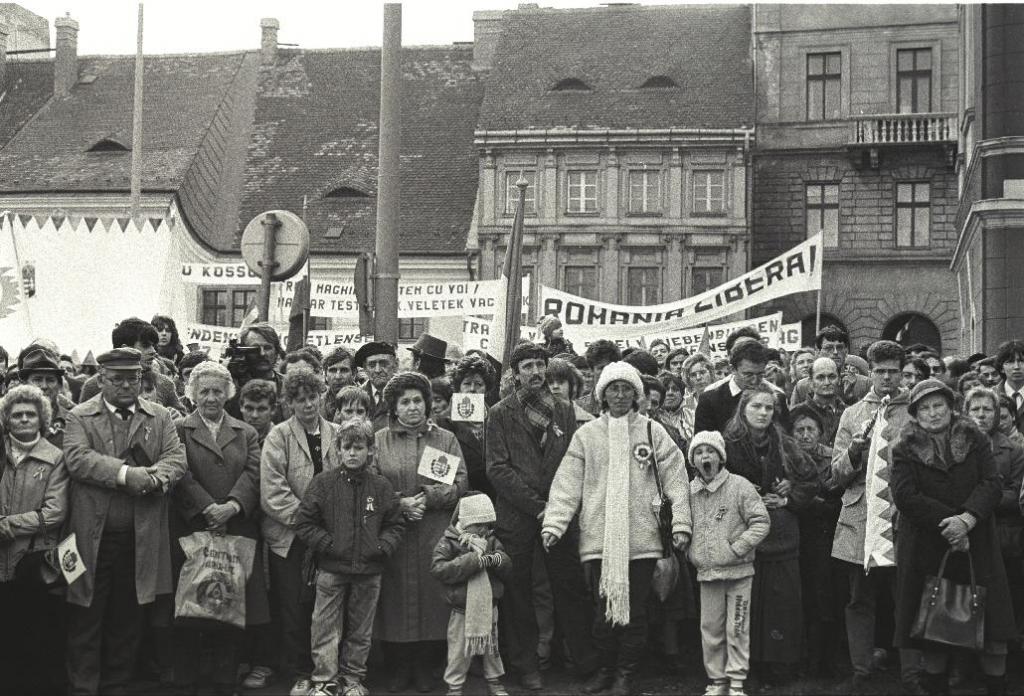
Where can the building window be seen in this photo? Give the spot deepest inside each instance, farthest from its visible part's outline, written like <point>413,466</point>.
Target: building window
<point>581,280</point>
<point>643,286</point>
<point>705,278</point>
<point>709,192</point>
<point>582,195</point>
<point>226,307</point>
<point>319,324</point>
<point>823,213</point>
<point>512,192</point>
<point>644,191</point>
<point>410,329</point>
<point>824,82</point>
<point>913,214</point>
<point>914,81</point>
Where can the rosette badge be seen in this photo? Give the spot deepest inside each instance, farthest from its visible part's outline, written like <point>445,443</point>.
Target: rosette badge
<point>642,453</point>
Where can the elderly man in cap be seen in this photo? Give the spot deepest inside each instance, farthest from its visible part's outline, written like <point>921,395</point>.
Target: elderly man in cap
<point>379,361</point>
<point>40,367</point>
<point>528,433</point>
<point>429,355</point>
<point>123,456</point>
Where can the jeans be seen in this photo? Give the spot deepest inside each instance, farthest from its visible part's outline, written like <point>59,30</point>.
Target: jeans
<point>860,619</point>
<point>345,606</point>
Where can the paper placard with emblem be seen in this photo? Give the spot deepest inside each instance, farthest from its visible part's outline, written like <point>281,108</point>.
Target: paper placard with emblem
<point>439,466</point>
<point>468,408</point>
<point>71,564</point>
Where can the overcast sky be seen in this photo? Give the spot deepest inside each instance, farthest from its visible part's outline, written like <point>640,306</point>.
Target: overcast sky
<point>189,26</point>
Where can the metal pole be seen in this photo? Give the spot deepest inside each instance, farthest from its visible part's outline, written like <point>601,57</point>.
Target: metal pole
<point>388,189</point>
<point>270,226</point>
<point>136,175</point>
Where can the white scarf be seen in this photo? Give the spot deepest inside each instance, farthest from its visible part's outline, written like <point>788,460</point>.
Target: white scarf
<point>614,585</point>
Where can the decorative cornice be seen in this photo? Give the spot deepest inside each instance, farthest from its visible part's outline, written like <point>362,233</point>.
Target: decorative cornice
<point>984,214</point>
<point>568,137</point>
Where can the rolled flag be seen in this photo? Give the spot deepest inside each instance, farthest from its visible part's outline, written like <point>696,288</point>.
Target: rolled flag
<point>505,324</point>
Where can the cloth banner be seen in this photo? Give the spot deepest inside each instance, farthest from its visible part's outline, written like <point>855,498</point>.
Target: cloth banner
<point>642,336</point>
<point>789,337</point>
<point>213,339</point>
<point>879,550</point>
<point>798,270</point>
<point>218,274</point>
<point>15,327</point>
<point>476,333</point>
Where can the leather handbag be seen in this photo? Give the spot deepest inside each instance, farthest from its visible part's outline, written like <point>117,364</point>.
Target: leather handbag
<point>39,566</point>
<point>666,570</point>
<point>950,613</point>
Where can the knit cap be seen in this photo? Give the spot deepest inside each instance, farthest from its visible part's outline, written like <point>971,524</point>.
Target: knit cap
<point>548,324</point>
<point>476,509</point>
<point>619,371</point>
<point>711,438</point>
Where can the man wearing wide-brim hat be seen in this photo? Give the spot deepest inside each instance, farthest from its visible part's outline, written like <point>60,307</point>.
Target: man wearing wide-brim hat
<point>41,368</point>
<point>429,355</point>
<point>123,456</point>
<point>378,359</point>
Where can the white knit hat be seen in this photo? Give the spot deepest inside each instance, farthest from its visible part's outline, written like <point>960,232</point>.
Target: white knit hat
<point>476,509</point>
<point>711,438</point>
<point>619,371</point>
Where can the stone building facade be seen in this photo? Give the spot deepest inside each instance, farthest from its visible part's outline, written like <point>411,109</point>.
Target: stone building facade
<point>856,138</point>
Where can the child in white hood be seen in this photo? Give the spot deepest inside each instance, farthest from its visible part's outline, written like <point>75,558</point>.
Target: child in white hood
<point>729,521</point>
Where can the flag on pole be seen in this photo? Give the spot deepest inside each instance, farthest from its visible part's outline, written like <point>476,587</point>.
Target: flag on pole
<point>507,309</point>
<point>15,327</point>
<point>705,342</point>
<point>252,315</point>
<point>879,549</point>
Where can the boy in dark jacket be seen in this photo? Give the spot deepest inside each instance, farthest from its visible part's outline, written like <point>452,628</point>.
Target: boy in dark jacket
<point>471,563</point>
<point>350,518</point>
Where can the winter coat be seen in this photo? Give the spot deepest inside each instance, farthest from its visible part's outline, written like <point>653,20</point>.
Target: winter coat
<point>378,414</point>
<point>729,521</point>
<point>351,520</point>
<point>33,500</point>
<point>164,392</point>
<point>784,460</point>
<point>717,404</point>
<point>94,467</point>
<point>521,467</point>
<point>829,417</point>
<point>848,475</point>
<point>454,564</point>
<point>927,490</point>
<point>473,449</point>
<point>579,487</point>
<point>286,468</point>
<point>411,606</point>
<point>1009,458</point>
<point>219,470</point>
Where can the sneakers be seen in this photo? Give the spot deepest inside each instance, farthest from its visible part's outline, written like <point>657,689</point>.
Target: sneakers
<point>736,690</point>
<point>717,689</point>
<point>302,687</point>
<point>257,678</point>
<point>496,688</point>
<point>323,689</point>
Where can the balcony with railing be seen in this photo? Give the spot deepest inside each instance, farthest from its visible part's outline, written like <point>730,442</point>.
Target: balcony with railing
<point>876,131</point>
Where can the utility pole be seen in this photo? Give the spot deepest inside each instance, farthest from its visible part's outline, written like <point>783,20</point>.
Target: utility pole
<point>136,171</point>
<point>385,294</point>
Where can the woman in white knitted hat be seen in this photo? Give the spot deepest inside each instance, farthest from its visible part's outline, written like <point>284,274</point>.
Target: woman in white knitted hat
<point>608,477</point>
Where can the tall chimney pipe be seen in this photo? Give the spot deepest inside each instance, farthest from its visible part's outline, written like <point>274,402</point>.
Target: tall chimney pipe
<point>65,63</point>
<point>268,40</point>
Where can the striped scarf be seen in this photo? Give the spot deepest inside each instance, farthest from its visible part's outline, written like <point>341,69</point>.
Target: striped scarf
<point>539,406</point>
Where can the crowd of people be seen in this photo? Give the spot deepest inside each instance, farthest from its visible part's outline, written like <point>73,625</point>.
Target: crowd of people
<point>609,506</point>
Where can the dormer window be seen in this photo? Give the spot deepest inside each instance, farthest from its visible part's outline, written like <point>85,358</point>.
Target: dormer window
<point>659,81</point>
<point>346,192</point>
<point>109,145</point>
<point>571,84</point>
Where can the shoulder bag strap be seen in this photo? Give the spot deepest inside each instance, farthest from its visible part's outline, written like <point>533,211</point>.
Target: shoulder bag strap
<point>654,462</point>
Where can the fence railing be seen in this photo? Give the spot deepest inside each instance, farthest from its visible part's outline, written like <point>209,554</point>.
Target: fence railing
<point>897,129</point>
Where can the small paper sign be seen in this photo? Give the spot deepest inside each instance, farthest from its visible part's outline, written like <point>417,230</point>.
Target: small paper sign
<point>71,564</point>
<point>468,408</point>
<point>439,466</point>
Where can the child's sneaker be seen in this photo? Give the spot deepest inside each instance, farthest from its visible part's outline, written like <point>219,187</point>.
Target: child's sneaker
<point>496,688</point>
<point>323,689</point>
<point>736,689</point>
<point>717,689</point>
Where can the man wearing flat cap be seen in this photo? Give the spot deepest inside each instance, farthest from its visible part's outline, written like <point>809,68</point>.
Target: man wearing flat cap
<point>428,355</point>
<point>123,456</point>
<point>379,360</point>
<point>41,368</point>
<point>528,433</point>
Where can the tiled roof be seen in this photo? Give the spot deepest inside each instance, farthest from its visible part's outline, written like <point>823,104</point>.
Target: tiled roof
<point>704,49</point>
<point>315,130</point>
<point>27,86</point>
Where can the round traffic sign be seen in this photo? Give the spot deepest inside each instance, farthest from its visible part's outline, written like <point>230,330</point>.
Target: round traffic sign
<point>291,243</point>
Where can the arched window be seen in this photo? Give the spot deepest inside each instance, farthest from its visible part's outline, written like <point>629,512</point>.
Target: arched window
<point>571,84</point>
<point>346,192</point>
<point>910,328</point>
<point>658,81</point>
<point>807,331</point>
<point>109,145</point>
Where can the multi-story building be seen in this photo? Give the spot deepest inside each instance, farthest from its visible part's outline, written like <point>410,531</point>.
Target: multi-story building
<point>856,139</point>
<point>633,127</point>
<point>990,218</point>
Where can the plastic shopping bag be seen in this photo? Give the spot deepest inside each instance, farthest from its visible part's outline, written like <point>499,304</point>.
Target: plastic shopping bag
<point>211,586</point>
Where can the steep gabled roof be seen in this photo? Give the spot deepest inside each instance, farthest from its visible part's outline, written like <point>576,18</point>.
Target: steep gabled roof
<point>704,49</point>
<point>26,87</point>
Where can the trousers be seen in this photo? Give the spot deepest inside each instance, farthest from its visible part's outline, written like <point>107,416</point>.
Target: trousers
<point>865,591</point>
<point>345,606</point>
<point>458,661</point>
<point>725,628</point>
<point>294,609</point>
<point>623,646</point>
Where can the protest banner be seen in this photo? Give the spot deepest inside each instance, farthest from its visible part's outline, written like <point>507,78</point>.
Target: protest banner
<point>798,270</point>
<point>210,339</point>
<point>328,339</point>
<point>642,336</point>
<point>476,333</point>
<point>789,336</point>
<point>218,274</point>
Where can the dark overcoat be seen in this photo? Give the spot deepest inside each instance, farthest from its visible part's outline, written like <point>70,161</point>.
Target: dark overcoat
<point>227,468</point>
<point>927,489</point>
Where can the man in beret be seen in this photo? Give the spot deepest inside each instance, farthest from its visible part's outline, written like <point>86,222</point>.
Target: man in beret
<point>41,368</point>
<point>528,433</point>
<point>123,456</point>
<point>379,360</point>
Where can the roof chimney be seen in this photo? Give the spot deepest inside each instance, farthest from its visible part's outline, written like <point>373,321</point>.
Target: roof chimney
<point>268,41</point>
<point>65,64</point>
<point>487,26</point>
<point>5,30</point>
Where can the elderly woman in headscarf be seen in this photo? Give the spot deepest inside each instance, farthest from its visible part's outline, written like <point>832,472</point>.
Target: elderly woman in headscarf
<point>947,488</point>
<point>425,465</point>
<point>609,478</point>
<point>758,450</point>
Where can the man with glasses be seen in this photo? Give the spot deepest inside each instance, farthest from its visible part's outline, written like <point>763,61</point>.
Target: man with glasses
<point>123,456</point>
<point>1010,362</point>
<point>717,404</point>
<point>833,342</point>
<point>849,466</point>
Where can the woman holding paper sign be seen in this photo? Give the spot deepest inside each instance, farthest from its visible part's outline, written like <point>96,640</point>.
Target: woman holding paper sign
<point>34,500</point>
<point>472,374</point>
<point>425,465</point>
